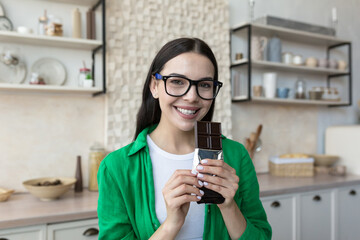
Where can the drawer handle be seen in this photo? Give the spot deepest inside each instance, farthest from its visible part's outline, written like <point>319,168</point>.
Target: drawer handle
<point>317,198</point>
<point>275,204</point>
<point>91,232</point>
<point>352,192</point>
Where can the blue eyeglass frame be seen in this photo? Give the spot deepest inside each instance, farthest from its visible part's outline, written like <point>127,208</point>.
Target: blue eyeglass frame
<point>217,85</point>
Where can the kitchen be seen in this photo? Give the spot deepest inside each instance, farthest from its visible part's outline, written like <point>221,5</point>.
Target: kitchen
<point>45,130</point>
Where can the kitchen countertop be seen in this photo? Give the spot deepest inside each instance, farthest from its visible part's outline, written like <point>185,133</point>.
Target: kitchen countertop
<point>23,209</point>
<point>273,185</point>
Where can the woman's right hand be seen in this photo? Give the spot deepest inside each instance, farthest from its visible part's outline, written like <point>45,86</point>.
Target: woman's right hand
<point>178,192</point>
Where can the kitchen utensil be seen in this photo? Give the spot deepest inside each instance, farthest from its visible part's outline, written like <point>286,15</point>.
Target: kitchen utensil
<point>51,70</point>
<point>287,58</point>
<point>49,193</point>
<point>5,194</point>
<point>257,91</point>
<point>342,65</point>
<point>258,45</point>
<point>311,62</point>
<point>252,143</point>
<point>269,84</point>
<point>282,92</point>
<point>324,159</point>
<point>298,60</point>
<point>274,50</point>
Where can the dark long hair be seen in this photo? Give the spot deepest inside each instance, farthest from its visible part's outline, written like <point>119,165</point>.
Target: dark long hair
<point>150,112</point>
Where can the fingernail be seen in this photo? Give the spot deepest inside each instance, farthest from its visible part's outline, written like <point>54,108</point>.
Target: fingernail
<point>204,161</point>
<point>200,167</point>
<point>198,197</point>
<point>201,192</point>
<point>200,175</point>
<point>194,172</point>
<point>206,183</point>
<point>201,183</point>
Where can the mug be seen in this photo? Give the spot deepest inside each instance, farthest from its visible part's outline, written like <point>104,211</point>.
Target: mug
<point>258,45</point>
<point>257,91</point>
<point>269,84</point>
<point>287,57</point>
<point>333,64</point>
<point>282,92</point>
<point>311,62</point>
<point>342,65</point>
<point>297,60</point>
<point>323,63</point>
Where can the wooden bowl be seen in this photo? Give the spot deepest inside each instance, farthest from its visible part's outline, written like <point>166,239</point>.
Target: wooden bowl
<point>5,194</point>
<point>325,160</point>
<point>50,192</point>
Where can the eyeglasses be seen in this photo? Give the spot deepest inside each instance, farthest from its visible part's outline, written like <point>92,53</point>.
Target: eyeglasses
<point>177,86</point>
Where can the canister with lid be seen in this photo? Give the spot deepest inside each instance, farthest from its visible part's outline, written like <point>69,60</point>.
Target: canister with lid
<point>97,153</point>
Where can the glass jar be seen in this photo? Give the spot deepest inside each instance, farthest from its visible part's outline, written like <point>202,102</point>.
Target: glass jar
<point>42,25</point>
<point>300,89</point>
<point>97,154</point>
<point>83,75</point>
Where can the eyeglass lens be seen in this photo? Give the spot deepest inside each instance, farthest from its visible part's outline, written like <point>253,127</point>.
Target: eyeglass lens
<point>178,86</point>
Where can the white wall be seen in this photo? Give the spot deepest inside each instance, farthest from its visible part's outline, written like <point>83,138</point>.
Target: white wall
<point>297,128</point>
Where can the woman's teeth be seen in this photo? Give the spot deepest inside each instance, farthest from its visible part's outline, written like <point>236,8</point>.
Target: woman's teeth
<point>186,111</point>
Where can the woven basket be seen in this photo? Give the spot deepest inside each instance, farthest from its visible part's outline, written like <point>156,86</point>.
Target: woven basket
<point>293,168</point>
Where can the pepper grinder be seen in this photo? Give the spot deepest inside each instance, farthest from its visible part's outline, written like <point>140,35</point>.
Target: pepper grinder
<point>78,176</point>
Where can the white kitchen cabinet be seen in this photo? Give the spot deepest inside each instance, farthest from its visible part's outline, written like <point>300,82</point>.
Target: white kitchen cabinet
<point>281,215</point>
<point>76,230</point>
<point>37,232</point>
<point>349,213</point>
<point>316,215</point>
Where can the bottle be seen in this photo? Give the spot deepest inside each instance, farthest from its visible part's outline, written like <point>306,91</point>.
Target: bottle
<point>97,154</point>
<point>42,25</point>
<point>76,23</point>
<point>78,176</point>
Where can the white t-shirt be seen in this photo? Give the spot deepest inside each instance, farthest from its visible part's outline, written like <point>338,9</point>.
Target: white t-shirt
<point>164,165</point>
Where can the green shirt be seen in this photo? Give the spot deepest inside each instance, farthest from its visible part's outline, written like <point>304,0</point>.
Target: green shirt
<point>126,205</point>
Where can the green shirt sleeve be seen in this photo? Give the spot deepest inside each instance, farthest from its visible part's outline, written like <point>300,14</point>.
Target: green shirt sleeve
<point>251,206</point>
<point>114,222</point>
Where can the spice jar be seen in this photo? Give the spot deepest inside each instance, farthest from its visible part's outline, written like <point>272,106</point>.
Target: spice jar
<point>97,153</point>
<point>42,25</point>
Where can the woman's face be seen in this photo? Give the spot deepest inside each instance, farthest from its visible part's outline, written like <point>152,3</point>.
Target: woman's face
<point>182,112</point>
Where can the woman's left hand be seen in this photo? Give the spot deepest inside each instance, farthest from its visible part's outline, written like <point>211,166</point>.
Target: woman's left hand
<point>224,182</point>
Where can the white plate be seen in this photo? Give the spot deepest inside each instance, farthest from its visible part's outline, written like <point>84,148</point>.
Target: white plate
<point>12,74</point>
<point>51,70</point>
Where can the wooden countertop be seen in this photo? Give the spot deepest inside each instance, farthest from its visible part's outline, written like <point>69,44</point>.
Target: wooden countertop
<point>272,185</point>
<point>23,209</point>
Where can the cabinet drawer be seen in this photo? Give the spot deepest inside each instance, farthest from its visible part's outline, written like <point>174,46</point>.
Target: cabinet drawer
<point>316,215</point>
<point>280,211</point>
<point>24,233</point>
<point>77,230</point>
<point>349,213</point>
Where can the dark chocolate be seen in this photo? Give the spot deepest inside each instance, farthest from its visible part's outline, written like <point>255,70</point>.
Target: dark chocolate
<point>208,135</point>
<point>208,140</point>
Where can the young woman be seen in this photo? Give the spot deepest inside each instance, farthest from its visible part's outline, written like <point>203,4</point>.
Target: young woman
<point>147,189</point>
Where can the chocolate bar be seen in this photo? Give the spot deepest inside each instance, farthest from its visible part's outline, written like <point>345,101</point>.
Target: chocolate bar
<point>208,145</point>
